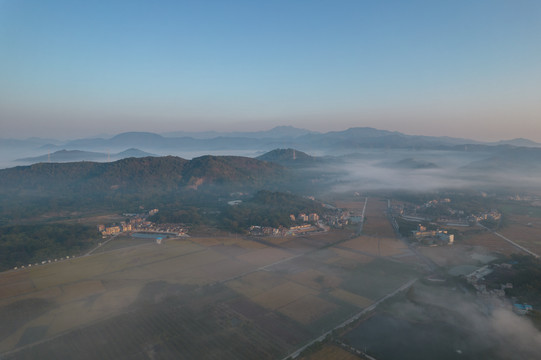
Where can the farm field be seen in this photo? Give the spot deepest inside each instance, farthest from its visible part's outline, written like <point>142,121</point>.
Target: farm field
<point>269,297</point>
<point>458,255</point>
<point>85,293</point>
<point>120,242</point>
<point>491,243</point>
<point>377,222</point>
<point>525,231</point>
<point>376,246</point>
<point>330,352</point>
<point>351,205</point>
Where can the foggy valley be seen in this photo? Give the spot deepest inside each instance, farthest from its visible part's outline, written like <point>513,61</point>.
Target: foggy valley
<point>276,180</point>
<point>283,254</point>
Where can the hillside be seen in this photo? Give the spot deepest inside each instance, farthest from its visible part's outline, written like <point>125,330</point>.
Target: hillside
<point>267,208</point>
<point>79,155</point>
<point>288,157</point>
<point>219,170</point>
<point>44,187</point>
<point>136,174</point>
<point>66,156</point>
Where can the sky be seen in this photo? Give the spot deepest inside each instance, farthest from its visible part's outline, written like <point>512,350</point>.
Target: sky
<point>464,68</point>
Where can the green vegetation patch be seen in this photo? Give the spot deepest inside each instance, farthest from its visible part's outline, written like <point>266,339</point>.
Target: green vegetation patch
<point>29,244</point>
<point>525,275</point>
<point>268,208</point>
<point>520,208</point>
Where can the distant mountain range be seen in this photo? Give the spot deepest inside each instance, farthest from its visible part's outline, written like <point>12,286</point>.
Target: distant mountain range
<point>78,155</point>
<point>279,137</point>
<point>335,142</point>
<point>517,142</point>
<point>274,133</point>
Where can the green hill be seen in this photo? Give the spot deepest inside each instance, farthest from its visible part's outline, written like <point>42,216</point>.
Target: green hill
<point>35,189</point>
<point>288,157</point>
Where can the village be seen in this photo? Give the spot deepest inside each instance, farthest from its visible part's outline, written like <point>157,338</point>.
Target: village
<point>492,291</point>
<point>309,223</point>
<point>140,223</point>
<point>441,211</point>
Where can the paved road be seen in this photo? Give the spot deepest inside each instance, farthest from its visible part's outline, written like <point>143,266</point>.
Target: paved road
<point>99,246</point>
<point>362,216</point>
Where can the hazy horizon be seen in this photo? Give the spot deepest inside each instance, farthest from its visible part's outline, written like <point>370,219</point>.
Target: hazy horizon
<point>460,69</point>
<point>166,133</point>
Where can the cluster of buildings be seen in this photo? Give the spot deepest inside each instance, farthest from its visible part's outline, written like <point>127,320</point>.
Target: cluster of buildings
<point>435,202</point>
<point>114,229</point>
<point>432,237</point>
<point>309,224</point>
<point>283,231</point>
<point>174,229</point>
<point>145,226</point>
<point>477,280</point>
<point>446,215</point>
<point>494,215</point>
<point>305,218</point>
<point>135,222</point>
<point>342,219</point>
<point>522,309</point>
<point>267,231</point>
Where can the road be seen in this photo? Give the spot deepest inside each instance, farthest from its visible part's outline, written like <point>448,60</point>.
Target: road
<point>353,318</point>
<point>362,216</point>
<point>100,245</point>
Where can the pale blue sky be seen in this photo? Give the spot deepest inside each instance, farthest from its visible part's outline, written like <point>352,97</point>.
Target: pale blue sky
<point>74,68</point>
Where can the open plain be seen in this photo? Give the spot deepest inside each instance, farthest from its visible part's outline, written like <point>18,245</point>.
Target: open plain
<point>268,296</point>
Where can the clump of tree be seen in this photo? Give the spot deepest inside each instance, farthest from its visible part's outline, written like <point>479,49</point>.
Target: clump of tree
<point>526,279</point>
<point>267,208</point>
<point>28,244</point>
<point>188,215</point>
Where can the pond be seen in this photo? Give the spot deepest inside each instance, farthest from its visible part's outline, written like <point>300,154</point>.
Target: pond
<point>155,236</point>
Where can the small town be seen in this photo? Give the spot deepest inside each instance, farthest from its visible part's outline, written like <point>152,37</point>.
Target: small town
<point>441,211</point>
<point>140,223</point>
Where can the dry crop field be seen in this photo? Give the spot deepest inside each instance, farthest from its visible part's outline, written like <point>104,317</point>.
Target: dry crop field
<point>376,246</point>
<point>331,352</point>
<point>491,242</point>
<point>248,290</point>
<point>377,222</point>
<point>351,205</point>
<point>525,231</point>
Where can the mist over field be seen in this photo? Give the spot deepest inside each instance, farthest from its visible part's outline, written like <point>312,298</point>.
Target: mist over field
<point>450,323</point>
<point>270,180</point>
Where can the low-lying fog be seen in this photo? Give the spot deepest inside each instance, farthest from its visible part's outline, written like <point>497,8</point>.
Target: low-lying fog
<point>422,171</point>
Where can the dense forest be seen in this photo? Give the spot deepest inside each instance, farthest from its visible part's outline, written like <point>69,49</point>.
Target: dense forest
<point>526,279</point>
<point>267,208</point>
<point>124,185</point>
<point>29,244</point>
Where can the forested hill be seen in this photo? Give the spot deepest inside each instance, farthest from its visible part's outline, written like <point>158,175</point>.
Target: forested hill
<point>290,158</point>
<point>136,174</point>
